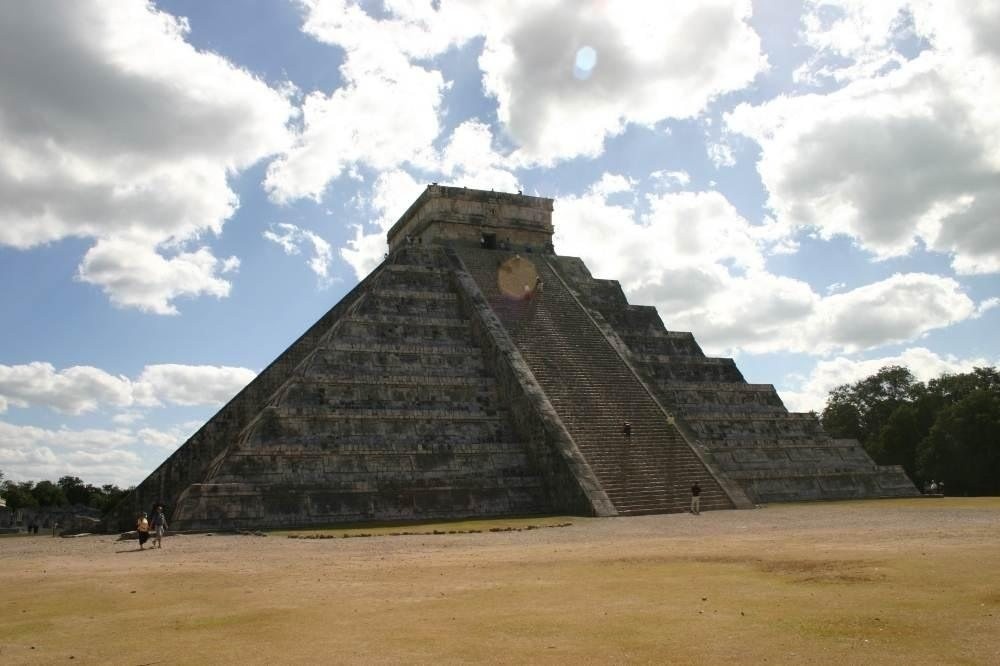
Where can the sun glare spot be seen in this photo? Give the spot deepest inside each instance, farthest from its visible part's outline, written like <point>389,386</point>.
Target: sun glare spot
<point>586,59</point>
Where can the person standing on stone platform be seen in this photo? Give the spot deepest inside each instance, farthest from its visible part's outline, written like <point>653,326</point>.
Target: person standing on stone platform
<point>142,527</point>
<point>159,526</point>
<point>696,499</point>
<point>627,432</point>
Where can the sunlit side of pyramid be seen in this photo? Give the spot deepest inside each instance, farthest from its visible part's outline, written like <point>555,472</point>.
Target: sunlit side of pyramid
<point>476,373</point>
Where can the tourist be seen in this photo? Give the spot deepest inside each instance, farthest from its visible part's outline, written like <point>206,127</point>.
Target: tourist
<point>627,432</point>
<point>159,526</point>
<point>934,487</point>
<point>696,499</point>
<point>941,488</point>
<point>143,528</point>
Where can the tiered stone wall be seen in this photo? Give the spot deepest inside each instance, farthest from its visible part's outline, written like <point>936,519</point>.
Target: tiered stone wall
<point>190,463</point>
<point>447,215</point>
<point>593,389</point>
<point>393,416</point>
<point>773,454</point>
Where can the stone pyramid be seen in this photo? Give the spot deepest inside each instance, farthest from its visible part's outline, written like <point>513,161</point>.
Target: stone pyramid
<point>477,373</point>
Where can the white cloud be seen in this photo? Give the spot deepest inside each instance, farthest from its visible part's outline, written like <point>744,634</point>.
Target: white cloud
<point>91,439</point>
<point>73,390</point>
<point>170,439</point>
<point>895,157</point>
<point>813,391</point>
<point>695,258</point>
<point>82,389</point>
<point>417,30</point>
<point>655,61</point>
<point>387,112</point>
<point>853,39</point>
<point>392,194</point>
<point>682,230</point>
<point>469,160</point>
<point>360,123</point>
<point>899,308</point>
<point>191,384</point>
<point>115,128</point>
<point>670,179</point>
<point>127,418</point>
<point>135,274</point>
<point>720,154</point>
<point>291,238</point>
<point>97,456</point>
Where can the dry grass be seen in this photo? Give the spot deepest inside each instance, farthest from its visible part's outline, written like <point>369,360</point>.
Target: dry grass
<point>907,582</point>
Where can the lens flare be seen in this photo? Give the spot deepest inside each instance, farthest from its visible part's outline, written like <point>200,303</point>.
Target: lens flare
<point>586,60</point>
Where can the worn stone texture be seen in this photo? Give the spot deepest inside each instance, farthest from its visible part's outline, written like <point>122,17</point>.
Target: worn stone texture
<point>774,455</point>
<point>436,389</point>
<point>446,215</point>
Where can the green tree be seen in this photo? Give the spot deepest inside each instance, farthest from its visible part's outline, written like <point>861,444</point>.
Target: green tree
<point>963,447</point>
<point>47,493</point>
<point>18,495</point>
<point>106,497</point>
<point>860,410</point>
<point>75,490</point>
<point>896,443</point>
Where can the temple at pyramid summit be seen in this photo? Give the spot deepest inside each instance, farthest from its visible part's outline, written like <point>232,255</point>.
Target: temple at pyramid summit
<point>477,373</point>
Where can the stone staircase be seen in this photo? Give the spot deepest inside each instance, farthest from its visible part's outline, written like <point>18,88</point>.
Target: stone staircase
<point>594,391</point>
<point>391,417</point>
<point>775,455</point>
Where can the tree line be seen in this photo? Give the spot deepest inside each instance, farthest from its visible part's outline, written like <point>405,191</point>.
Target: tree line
<point>69,490</point>
<point>945,430</point>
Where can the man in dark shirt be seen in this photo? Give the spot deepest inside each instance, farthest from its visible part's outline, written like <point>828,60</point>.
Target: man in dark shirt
<point>627,432</point>
<point>696,499</point>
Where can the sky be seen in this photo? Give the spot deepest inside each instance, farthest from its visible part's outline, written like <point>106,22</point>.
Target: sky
<point>811,187</point>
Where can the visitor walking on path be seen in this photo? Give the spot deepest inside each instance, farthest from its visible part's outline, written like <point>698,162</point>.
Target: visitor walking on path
<point>696,499</point>
<point>143,528</point>
<point>159,526</point>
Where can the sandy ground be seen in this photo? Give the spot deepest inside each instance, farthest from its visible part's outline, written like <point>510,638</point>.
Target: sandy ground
<point>893,581</point>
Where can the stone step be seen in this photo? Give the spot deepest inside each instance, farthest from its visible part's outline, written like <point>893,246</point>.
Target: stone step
<point>328,443</point>
<point>397,292</point>
<point>409,320</point>
<point>692,413</point>
<point>421,427</point>
<point>402,481</point>
<point>414,465</point>
<point>415,268</point>
<point>400,348</point>
<point>403,304</point>
<point>386,414</point>
<point>588,383</point>
<point>378,363</point>
<point>464,398</point>
<point>429,381</point>
<point>667,370</point>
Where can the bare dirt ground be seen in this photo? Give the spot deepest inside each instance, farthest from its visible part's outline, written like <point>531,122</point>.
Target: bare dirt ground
<point>886,582</point>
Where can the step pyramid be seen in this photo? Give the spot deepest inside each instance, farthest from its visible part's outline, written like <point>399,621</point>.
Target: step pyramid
<point>476,373</point>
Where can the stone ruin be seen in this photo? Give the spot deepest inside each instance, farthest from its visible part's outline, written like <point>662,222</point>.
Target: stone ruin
<point>476,373</point>
<point>66,519</point>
